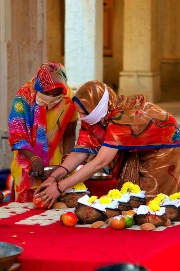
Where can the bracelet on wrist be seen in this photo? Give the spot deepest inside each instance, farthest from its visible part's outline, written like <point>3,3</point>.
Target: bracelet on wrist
<point>65,169</point>
<point>34,158</point>
<point>59,189</point>
<point>53,178</point>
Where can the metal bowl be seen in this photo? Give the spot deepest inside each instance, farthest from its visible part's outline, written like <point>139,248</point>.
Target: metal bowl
<point>47,172</point>
<point>8,255</point>
<point>101,176</point>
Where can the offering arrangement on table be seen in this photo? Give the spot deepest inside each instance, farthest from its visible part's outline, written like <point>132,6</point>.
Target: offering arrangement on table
<point>81,230</point>
<point>49,245</point>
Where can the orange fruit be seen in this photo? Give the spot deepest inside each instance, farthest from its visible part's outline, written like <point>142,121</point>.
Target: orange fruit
<point>131,212</point>
<point>118,223</point>
<point>40,204</point>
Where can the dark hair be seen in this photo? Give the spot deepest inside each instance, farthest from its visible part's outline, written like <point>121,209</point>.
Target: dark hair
<point>123,267</point>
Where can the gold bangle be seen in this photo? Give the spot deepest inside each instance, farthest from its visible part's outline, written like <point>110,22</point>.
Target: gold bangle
<point>34,158</point>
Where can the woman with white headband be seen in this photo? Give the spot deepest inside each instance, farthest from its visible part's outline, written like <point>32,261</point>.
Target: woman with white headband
<point>133,138</point>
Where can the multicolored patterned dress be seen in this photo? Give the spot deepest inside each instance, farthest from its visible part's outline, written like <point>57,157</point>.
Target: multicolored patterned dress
<point>146,136</point>
<point>33,127</point>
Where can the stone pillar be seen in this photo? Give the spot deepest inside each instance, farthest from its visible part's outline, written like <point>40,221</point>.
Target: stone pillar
<point>55,30</point>
<point>140,72</point>
<point>83,41</point>
<point>170,64</point>
<point>22,51</point>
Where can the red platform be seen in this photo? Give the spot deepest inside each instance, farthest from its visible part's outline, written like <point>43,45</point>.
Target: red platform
<point>57,247</point>
<point>100,187</point>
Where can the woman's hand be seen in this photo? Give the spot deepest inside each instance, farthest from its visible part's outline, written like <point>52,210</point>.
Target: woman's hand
<point>36,162</point>
<point>49,194</point>
<point>44,185</point>
<point>37,167</point>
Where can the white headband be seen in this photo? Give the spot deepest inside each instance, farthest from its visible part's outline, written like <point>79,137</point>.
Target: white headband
<point>100,111</point>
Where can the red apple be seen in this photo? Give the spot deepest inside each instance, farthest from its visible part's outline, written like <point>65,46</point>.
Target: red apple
<point>118,223</point>
<point>69,219</point>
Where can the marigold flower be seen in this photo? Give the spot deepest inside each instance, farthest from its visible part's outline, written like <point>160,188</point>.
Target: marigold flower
<point>79,186</point>
<point>135,189</point>
<point>154,205</point>
<point>114,194</point>
<point>160,197</point>
<point>92,199</point>
<point>175,196</point>
<point>129,187</point>
<point>104,200</point>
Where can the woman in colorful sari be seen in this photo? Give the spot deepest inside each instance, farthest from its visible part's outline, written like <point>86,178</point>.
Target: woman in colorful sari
<point>42,126</point>
<point>137,140</point>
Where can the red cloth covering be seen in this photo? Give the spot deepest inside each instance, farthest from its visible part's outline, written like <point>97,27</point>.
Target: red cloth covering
<point>100,187</point>
<point>57,247</point>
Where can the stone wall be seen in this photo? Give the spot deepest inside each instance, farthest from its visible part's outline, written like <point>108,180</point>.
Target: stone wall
<point>6,156</point>
<point>22,51</point>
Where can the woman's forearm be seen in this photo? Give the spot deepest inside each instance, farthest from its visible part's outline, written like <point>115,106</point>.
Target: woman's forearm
<point>103,158</point>
<point>72,161</point>
<point>27,153</point>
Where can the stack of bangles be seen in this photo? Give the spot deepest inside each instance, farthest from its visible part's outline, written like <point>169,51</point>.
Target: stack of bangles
<point>34,158</point>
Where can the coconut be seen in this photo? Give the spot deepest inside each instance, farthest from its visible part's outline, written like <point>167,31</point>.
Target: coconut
<point>149,218</point>
<point>112,212</point>
<point>88,215</point>
<point>70,199</point>
<point>123,206</point>
<point>135,202</point>
<point>172,212</point>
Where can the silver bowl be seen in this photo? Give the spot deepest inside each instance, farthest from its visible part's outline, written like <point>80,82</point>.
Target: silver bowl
<point>101,176</point>
<point>8,255</point>
<point>47,172</point>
